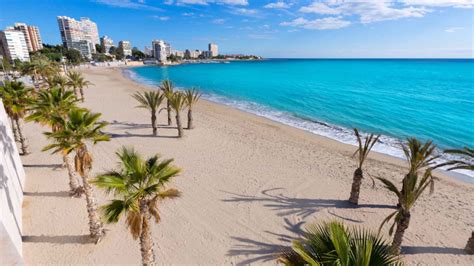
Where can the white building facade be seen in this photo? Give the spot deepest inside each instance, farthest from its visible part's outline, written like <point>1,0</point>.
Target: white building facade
<point>160,51</point>
<point>13,45</point>
<point>106,42</point>
<point>213,50</point>
<point>72,31</point>
<point>32,36</point>
<point>126,48</point>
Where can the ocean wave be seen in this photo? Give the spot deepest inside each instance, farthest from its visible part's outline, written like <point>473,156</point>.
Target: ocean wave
<point>386,144</point>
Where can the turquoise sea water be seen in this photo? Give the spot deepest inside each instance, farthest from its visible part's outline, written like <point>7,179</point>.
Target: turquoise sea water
<point>427,99</point>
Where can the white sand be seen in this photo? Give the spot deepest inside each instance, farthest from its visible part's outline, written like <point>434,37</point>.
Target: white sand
<point>249,185</point>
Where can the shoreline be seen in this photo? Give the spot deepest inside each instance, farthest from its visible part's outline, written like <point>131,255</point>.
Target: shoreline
<point>400,161</point>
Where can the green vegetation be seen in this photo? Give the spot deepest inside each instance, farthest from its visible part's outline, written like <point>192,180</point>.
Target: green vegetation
<point>335,244</point>
<point>177,103</point>
<point>191,97</point>
<point>138,186</point>
<point>150,100</point>
<point>168,90</point>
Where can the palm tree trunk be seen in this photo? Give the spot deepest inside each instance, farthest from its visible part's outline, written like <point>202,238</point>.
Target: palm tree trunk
<point>76,189</point>
<point>76,92</point>
<point>95,225</point>
<point>190,119</point>
<point>402,225</point>
<point>15,131</point>
<point>153,123</point>
<point>146,243</point>
<point>82,93</point>
<point>356,182</point>
<point>24,146</point>
<point>168,108</point>
<point>470,244</point>
<point>178,124</point>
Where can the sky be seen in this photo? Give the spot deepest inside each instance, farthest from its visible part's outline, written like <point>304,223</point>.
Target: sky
<point>269,28</point>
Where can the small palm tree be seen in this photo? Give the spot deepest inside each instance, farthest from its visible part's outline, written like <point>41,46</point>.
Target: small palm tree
<point>150,100</point>
<point>15,97</point>
<point>168,89</point>
<point>79,127</point>
<point>47,105</point>
<point>419,157</point>
<point>139,186</point>
<point>335,244</point>
<point>467,164</point>
<point>56,81</point>
<point>191,97</point>
<point>177,102</point>
<point>362,152</point>
<point>76,81</point>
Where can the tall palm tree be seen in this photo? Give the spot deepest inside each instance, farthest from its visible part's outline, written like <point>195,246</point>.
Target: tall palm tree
<point>47,105</point>
<point>420,156</point>
<point>168,89</point>
<point>467,164</point>
<point>150,100</point>
<point>79,127</point>
<point>138,187</point>
<point>77,81</point>
<point>362,152</point>
<point>191,97</point>
<point>177,102</point>
<point>15,98</point>
<point>332,243</point>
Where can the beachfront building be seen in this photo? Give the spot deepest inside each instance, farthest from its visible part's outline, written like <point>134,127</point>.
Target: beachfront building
<point>148,51</point>
<point>160,50</point>
<point>126,48</point>
<point>213,50</point>
<point>13,45</point>
<point>206,54</point>
<point>191,54</point>
<point>106,42</point>
<point>32,36</point>
<point>178,53</point>
<point>74,31</point>
<point>84,47</point>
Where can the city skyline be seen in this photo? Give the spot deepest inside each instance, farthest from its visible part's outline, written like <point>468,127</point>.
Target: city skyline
<point>308,29</point>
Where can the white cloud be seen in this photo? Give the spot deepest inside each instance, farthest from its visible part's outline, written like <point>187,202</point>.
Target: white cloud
<point>244,12</point>
<point>162,18</point>
<point>329,23</point>
<point>218,21</point>
<point>128,4</point>
<point>453,29</point>
<point>368,12</point>
<point>207,2</point>
<point>441,3</point>
<point>277,5</point>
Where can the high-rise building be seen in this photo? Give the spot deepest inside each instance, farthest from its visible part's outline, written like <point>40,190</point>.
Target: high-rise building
<point>83,46</point>
<point>32,36</point>
<point>159,50</point>
<point>13,45</point>
<point>213,49</point>
<point>148,51</point>
<point>167,49</point>
<point>106,43</point>
<point>126,48</point>
<point>72,31</point>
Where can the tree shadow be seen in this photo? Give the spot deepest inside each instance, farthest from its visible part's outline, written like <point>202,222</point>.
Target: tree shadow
<point>131,125</point>
<point>54,166</point>
<point>131,135</point>
<point>258,251</point>
<point>432,250</point>
<point>60,194</point>
<point>77,239</point>
<point>301,207</point>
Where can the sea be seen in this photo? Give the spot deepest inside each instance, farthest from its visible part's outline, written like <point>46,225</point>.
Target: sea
<point>429,99</point>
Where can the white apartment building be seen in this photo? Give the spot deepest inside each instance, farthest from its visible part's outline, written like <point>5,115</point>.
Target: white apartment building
<point>72,31</point>
<point>160,50</point>
<point>126,48</point>
<point>32,36</point>
<point>213,49</point>
<point>106,42</point>
<point>83,46</point>
<point>13,45</point>
<point>148,51</point>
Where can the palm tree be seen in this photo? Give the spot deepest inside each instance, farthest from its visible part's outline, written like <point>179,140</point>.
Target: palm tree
<point>362,152</point>
<point>15,98</point>
<point>47,105</point>
<point>191,98</point>
<point>332,243</point>
<point>138,186</point>
<point>419,156</point>
<point>467,164</point>
<point>177,102</point>
<point>168,89</point>
<point>77,81</point>
<point>150,100</point>
<point>56,81</point>
<point>79,127</point>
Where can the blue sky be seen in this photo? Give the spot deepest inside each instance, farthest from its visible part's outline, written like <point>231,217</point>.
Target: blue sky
<point>271,28</point>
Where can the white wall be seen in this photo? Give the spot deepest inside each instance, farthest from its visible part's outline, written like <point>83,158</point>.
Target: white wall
<point>12,178</point>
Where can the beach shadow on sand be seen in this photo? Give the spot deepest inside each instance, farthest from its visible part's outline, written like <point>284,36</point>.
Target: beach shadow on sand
<point>54,166</point>
<point>302,207</point>
<point>432,250</point>
<point>60,194</point>
<point>75,239</point>
<point>258,251</point>
<point>130,135</point>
